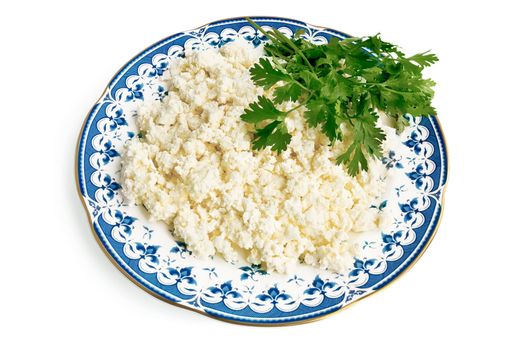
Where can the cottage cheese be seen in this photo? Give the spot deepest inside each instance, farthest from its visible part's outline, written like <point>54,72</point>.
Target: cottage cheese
<point>194,169</point>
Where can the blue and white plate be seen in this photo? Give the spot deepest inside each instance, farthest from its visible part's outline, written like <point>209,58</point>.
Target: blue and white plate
<point>146,252</point>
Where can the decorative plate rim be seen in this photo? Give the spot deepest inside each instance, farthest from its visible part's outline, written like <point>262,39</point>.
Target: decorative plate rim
<point>300,319</point>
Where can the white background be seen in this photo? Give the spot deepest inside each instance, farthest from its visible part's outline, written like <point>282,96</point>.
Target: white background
<point>60,291</point>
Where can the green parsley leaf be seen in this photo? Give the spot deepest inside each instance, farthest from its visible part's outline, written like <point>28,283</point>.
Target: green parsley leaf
<point>261,110</point>
<point>310,80</point>
<point>330,127</point>
<point>367,140</point>
<point>264,74</point>
<point>316,112</point>
<point>274,134</point>
<point>287,92</point>
<point>353,159</point>
<point>335,87</point>
<point>424,59</point>
<point>401,123</point>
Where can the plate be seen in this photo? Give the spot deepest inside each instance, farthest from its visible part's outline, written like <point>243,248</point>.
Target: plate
<point>148,255</point>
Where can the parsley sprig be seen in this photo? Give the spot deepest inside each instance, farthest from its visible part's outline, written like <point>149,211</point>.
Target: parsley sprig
<point>343,82</point>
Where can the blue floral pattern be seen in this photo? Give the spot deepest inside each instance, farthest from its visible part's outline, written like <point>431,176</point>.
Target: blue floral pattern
<point>273,298</point>
<point>247,293</point>
<point>392,160</point>
<point>320,289</point>
<point>251,272</point>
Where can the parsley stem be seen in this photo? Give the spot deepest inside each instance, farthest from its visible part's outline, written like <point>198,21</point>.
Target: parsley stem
<point>395,91</point>
<point>304,87</point>
<point>382,86</point>
<point>294,80</point>
<point>277,64</point>
<point>304,103</point>
<point>276,36</point>
<point>293,109</point>
<point>291,43</point>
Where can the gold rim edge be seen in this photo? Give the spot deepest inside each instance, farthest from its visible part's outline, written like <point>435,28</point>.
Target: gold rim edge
<point>278,324</point>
